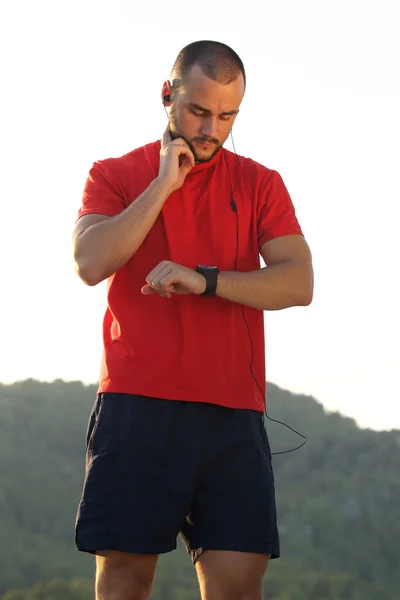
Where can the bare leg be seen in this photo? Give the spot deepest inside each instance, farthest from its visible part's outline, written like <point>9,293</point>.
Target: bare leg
<point>227,575</point>
<point>124,576</point>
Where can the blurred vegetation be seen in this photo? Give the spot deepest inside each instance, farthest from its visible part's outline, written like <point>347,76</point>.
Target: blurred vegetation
<point>338,502</point>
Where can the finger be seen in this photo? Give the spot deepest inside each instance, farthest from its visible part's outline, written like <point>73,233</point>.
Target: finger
<point>147,290</point>
<point>156,287</point>
<point>163,279</point>
<point>167,281</point>
<point>182,148</point>
<point>176,143</point>
<point>166,287</point>
<point>172,280</point>
<point>164,284</point>
<point>189,161</point>
<point>155,277</point>
<point>187,164</point>
<point>178,146</point>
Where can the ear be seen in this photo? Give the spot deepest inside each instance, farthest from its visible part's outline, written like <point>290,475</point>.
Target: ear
<point>166,91</point>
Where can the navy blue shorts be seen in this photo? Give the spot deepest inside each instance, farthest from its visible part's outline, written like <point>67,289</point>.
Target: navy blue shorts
<point>159,468</point>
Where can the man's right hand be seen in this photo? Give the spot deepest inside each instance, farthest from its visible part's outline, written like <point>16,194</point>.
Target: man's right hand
<point>176,161</point>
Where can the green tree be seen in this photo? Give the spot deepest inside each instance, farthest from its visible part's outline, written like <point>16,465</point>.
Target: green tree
<point>337,498</point>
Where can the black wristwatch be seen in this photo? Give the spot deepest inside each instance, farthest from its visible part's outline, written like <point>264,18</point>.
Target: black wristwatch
<point>211,275</point>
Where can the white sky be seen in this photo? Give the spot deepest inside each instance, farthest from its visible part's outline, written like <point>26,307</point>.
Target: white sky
<point>81,81</point>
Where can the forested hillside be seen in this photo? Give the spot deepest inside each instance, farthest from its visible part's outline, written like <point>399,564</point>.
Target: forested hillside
<point>338,502</point>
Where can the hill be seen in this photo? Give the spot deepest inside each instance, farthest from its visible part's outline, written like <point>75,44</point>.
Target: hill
<point>338,502</point>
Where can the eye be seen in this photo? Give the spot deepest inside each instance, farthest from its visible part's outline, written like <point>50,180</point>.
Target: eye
<point>225,117</point>
<point>198,113</point>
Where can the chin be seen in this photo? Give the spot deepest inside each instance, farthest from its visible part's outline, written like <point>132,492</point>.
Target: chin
<point>201,158</point>
<point>205,155</point>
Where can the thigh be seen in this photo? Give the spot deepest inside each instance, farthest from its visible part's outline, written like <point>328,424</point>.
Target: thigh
<point>225,575</point>
<point>124,576</point>
<point>234,507</point>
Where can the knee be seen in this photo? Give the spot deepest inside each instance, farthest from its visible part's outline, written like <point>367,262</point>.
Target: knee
<point>111,586</point>
<point>242,592</point>
<point>231,588</point>
<point>120,590</point>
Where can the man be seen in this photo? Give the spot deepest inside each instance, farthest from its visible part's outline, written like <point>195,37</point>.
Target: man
<point>176,441</point>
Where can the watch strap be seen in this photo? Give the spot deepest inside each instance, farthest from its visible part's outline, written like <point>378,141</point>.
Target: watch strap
<point>211,275</point>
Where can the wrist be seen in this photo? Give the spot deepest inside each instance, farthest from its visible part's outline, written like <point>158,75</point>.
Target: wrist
<point>220,283</point>
<point>162,187</point>
<point>210,274</point>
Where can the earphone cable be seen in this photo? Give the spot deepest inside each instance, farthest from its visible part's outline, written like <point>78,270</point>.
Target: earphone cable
<point>235,210</point>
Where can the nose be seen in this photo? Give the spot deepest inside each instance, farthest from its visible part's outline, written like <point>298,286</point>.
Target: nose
<point>209,127</point>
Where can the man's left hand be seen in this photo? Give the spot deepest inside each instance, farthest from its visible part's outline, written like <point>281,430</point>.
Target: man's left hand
<point>169,278</point>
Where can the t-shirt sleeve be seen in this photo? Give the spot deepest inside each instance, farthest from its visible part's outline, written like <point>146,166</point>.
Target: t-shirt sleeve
<point>100,194</point>
<point>276,213</point>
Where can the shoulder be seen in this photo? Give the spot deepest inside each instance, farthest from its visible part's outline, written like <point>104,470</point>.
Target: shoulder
<point>252,171</point>
<point>139,157</point>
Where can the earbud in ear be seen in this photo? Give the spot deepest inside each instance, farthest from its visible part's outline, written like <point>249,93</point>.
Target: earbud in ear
<point>167,98</point>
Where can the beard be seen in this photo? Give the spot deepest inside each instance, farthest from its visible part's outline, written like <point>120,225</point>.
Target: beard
<point>215,144</point>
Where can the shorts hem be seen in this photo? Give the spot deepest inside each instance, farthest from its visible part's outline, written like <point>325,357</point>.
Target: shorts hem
<point>271,548</point>
<point>94,547</point>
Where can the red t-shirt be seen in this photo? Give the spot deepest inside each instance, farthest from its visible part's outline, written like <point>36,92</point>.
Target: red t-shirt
<point>188,347</point>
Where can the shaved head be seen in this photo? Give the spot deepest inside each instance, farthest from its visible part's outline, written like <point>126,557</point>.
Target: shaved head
<point>217,61</point>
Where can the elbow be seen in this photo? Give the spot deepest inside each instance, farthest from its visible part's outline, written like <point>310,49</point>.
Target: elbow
<point>89,281</point>
<point>307,293</point>
<point>87,274</point>
<point>85,268</point>
<point>306,300</point>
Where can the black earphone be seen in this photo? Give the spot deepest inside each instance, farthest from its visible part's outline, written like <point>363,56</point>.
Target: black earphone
<point>235,210</point>
<point>167,98</point>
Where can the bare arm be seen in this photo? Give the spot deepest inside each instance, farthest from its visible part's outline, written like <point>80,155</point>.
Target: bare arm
<point>287,280</point>
<point>102,245</point>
